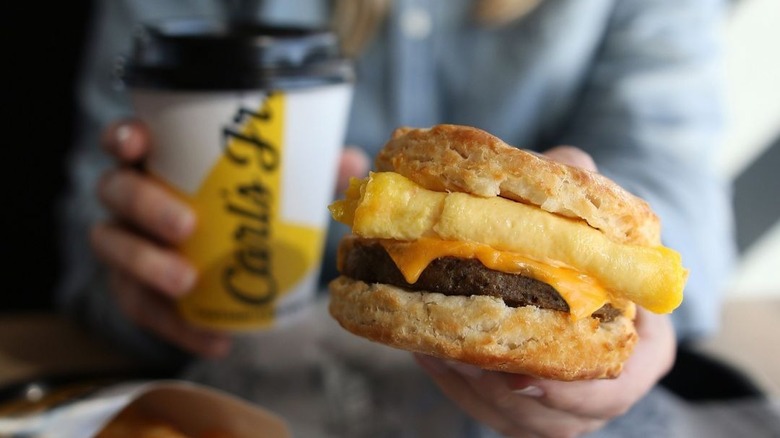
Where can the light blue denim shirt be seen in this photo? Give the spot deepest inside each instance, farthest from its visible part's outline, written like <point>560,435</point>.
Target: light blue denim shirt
<point>635,83</point>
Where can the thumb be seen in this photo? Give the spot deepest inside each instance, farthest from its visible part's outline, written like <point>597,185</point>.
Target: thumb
<point>128,140</point>
<point>572,156</point>
<point>354,163</point>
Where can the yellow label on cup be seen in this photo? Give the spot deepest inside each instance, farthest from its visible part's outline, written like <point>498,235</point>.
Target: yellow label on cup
<point>247,257</point>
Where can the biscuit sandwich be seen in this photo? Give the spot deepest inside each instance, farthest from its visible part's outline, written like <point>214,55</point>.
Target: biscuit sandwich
<point>469,249</point>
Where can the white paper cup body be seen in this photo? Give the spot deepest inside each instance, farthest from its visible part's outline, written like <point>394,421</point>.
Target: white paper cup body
<point>259,169</point>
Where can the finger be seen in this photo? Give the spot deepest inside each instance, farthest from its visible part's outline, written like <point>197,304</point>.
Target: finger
<point>454,386</point>
<point>135,199</point>
<point>354,164</point>
<point>594,400</point>
<point>524,408</point>
<point>654,353</point>
<point>127,140</point>
<point>572,156</point>
<point>609,398</point>
<point>156,267</point>
<point>158,314</point>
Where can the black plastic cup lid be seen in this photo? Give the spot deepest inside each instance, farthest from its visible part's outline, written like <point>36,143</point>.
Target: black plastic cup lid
<point>207,54</point>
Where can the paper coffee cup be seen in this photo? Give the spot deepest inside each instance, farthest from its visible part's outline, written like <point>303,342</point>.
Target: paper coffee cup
<point>247,122</point>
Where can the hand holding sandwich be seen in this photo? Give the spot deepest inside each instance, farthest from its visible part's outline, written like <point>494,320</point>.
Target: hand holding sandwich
<point>518,405</point>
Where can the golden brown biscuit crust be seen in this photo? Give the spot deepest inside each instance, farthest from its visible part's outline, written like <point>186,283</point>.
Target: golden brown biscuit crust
<point>466,159</point>
<point>483,331</point>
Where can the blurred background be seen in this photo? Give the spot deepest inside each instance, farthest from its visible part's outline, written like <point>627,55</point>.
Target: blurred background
<point>41,49</point>
<point>750,158</point>
<point>751,151</point>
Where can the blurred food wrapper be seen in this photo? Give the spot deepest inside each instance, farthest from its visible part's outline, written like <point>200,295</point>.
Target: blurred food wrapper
<point>160,409</point>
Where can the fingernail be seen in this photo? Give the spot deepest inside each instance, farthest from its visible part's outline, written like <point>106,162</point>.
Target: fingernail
<point>128,145</point>
<point>529,391</point>
<point>181,279</point>
<point>432,364</point>
<point>178,220</point>
<point>122,133</point>
<point>465,369</point>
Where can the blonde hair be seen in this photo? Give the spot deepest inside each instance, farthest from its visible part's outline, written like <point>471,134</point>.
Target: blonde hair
<point>357,21</point>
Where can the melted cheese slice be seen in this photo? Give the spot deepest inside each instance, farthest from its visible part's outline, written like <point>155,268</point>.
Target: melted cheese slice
<point>389,206</point>
<point>582,293</point>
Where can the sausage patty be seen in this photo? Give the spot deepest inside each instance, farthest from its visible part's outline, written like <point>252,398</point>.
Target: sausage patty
<point>367,261</point>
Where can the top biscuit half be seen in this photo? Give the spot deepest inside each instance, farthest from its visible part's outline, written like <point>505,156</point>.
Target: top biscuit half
<point>454,158</point>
